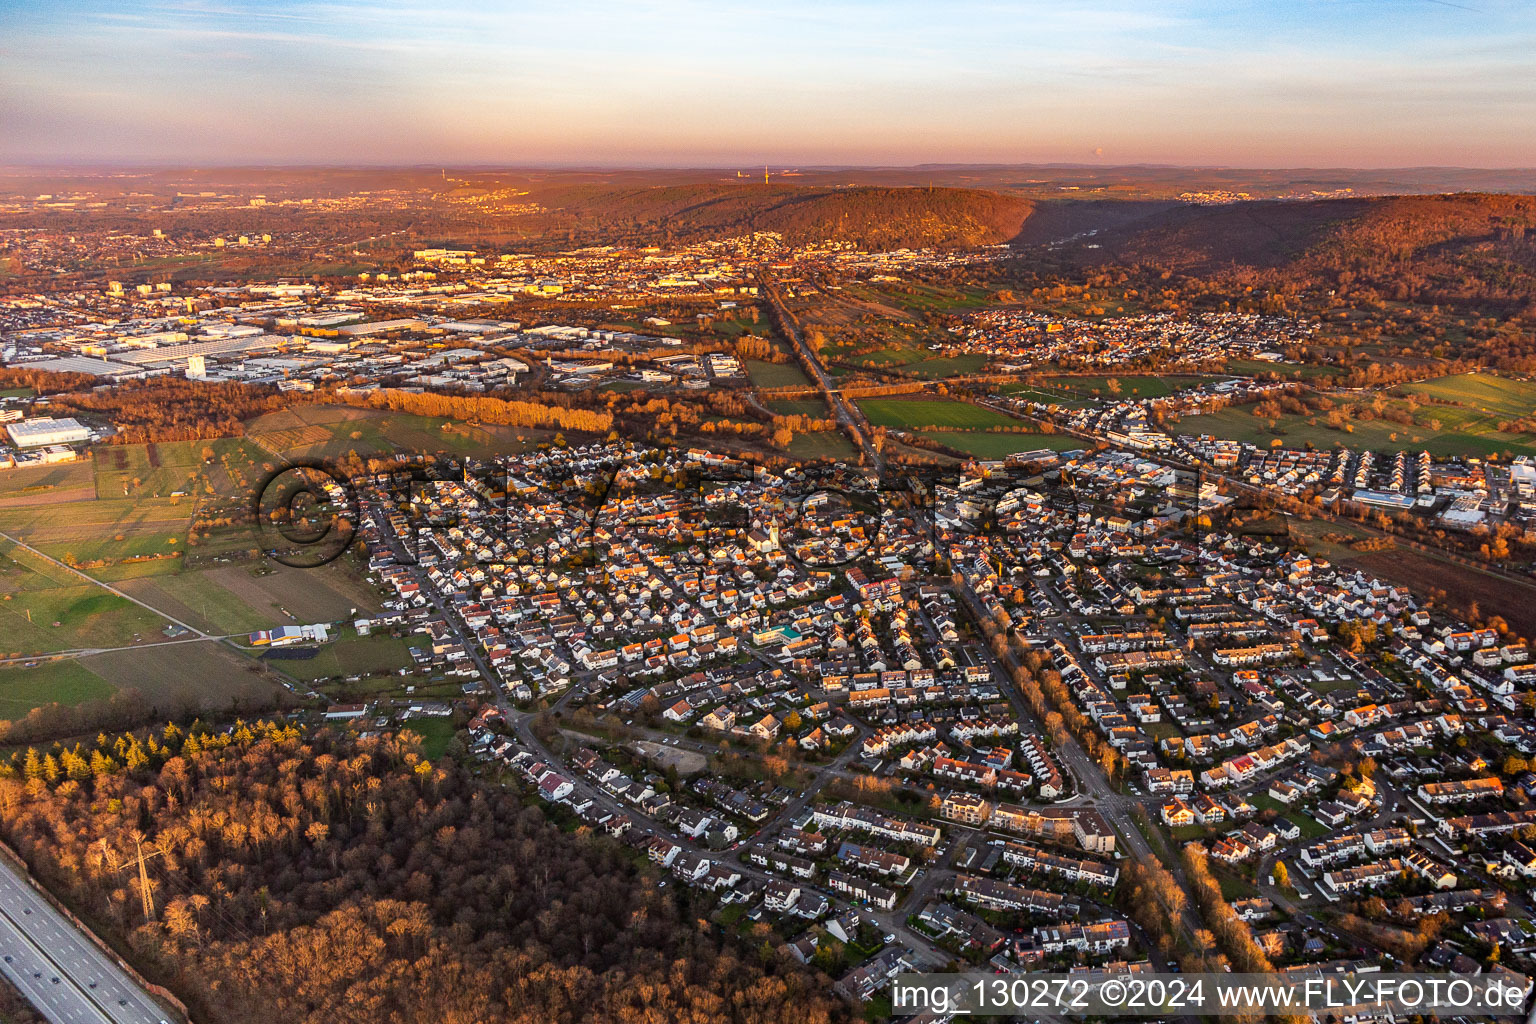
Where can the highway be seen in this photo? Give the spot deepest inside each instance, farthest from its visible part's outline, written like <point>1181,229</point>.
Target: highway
<point>65,975</point>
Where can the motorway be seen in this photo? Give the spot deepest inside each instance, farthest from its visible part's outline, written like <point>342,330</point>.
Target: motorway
<point>65,975</point>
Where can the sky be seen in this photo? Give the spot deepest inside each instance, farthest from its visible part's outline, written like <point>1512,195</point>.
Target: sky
<point>723,83</point>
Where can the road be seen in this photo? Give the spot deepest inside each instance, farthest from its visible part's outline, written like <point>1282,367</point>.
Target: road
<point>61,971</point>
<point>847,417</point>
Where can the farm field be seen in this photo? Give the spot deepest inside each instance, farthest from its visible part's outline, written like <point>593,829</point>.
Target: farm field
<point>1479,401</point>
<point>44,608</point>
<point>64,682</point>
<point>1129,386</point>
<point>1238,423</point>
<point>939,367</point>
<point>237,599</point>
<point>813,407</point>
<point>348,655</point>
<point>823,444</point>
<point>775,375</point>
<point>202,675</point>
<point>334,431</point>
<point>984,445</point>
<point>47,485</point>
<point>1262,367</point>
<point>915,413</point>
<point>94,533</point>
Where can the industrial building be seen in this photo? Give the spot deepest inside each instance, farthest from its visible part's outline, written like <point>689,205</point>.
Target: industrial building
<point>41,431</point>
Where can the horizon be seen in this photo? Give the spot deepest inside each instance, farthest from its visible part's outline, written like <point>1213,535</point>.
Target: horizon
<point>1305,84</point>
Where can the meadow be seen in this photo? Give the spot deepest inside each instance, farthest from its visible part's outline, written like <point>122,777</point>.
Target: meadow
<point>917,413</point>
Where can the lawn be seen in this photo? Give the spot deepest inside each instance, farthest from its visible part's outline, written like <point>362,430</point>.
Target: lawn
<point>435,733</point>
<point>1310,827</point>
<point>64,681</point>
<point>917,413</point>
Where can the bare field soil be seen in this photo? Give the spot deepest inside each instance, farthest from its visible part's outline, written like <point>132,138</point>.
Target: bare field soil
<point>205,675</point>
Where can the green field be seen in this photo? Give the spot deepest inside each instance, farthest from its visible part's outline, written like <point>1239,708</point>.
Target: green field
<point>1237,423</point>
<point>824,444</point>
<point>349,655</point>
<point>435,733</point>
<point>63,682</point>
<point>776,375</point>
<point>919,361</point>
<point>204,675</point>
<point>1129,386</point>
<point>44,608</point>
<point>813,407</point>
<point>996,446</point>
<point>1481,399</point>
<point>1262,367</point>
<point>915,413</point>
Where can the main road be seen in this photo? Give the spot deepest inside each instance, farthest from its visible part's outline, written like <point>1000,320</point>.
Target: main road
<point>850,419</point>
<point>61,971</point>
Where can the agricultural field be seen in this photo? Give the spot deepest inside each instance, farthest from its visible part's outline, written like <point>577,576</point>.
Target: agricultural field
<point>46,485</point>
<point>813,407</point>
<point>775,375</point>
<point>1237,423</point>
<point>348,655</point>
<point>823,444</point>
<point>46,608</point>
<point>202,675</point>
<point>916,413</point>
<point>939,367</point>
<point>1263,368</point>
<point>334,431</point>
<point>1128,386</point>
<point>985,445</point>
<point>1473,402</point>
<point>917,296</point>
<point>64,681</point>
<point>244,598</point>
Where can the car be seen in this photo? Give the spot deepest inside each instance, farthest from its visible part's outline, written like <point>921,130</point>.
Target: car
<point>7,958</point>
<point>889,938</point>
<point>55,979</point>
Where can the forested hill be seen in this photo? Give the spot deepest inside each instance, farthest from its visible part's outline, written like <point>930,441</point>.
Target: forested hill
<point>872,217</point>
<point>1465,248</point>
<point>326,879</point>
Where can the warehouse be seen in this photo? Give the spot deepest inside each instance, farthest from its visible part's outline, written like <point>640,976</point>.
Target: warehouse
<point>40,431</point>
